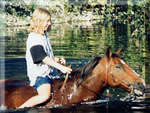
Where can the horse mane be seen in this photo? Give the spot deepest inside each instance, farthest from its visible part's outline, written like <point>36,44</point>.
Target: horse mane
<point>86,69</point>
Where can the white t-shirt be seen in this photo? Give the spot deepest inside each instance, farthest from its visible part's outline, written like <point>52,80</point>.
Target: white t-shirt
<point>37,69</point>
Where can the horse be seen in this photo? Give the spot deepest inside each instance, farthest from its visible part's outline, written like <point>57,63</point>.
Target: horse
<point>83,84</point>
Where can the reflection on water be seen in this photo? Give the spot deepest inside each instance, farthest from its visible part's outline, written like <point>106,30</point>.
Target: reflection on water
<point>78,44</point>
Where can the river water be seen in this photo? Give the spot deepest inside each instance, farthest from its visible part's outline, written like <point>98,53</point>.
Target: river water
<point>79,43</point>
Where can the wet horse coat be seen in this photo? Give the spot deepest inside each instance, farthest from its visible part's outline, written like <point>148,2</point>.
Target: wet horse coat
<point>84,83</point>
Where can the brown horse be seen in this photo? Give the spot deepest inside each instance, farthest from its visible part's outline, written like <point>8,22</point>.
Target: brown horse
<point>82,85</point>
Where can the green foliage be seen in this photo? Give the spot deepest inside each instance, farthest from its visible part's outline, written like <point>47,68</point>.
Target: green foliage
<point>134,15</point>
<point>109,14</point>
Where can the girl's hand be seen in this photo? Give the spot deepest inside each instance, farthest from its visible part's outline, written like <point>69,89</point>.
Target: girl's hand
<point>60,60</point>
<point>52,62</point>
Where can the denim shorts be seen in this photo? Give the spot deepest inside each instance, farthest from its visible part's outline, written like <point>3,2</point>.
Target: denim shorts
<point>42,80</point>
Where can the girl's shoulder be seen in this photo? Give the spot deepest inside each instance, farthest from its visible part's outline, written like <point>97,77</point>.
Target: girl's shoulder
<point>34,39</point>
<point>34,35</point>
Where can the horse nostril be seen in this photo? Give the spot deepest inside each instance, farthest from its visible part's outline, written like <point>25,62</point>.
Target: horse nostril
<point>140,86</point>
<point>129,85</point>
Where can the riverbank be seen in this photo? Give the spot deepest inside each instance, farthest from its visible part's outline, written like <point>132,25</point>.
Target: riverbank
<point>18,12</point>
<point>87,18</point>
<point>12,21</point>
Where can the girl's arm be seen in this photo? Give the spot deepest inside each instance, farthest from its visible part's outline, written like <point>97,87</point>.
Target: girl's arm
<point>39,55</point>
<point>56,59</point>
<point>51,62</point>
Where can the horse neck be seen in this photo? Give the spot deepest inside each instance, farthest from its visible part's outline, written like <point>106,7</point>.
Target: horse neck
<point>97,80</point>
<point>90,87</point>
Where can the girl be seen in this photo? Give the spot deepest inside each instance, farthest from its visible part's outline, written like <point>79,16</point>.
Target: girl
<point>40,60</point>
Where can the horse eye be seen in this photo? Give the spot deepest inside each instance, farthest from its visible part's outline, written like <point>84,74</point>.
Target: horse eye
<point>118,67</point>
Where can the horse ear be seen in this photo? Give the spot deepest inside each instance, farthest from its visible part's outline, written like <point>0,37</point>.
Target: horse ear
<point>109,52</point>
<point>119,51</point>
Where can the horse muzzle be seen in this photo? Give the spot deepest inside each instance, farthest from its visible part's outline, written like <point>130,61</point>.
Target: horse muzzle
<point>138,89</point>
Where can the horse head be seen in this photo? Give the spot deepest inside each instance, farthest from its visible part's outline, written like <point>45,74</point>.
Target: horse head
<point>121,75</point>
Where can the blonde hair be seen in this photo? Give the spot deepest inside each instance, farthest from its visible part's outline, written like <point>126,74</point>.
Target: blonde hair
<point>38,18</point>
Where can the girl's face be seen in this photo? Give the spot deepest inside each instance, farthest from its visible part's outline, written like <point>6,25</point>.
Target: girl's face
<point>47,24</point>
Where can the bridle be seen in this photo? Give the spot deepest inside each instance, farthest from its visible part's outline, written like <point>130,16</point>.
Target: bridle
<point>114,78</point>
